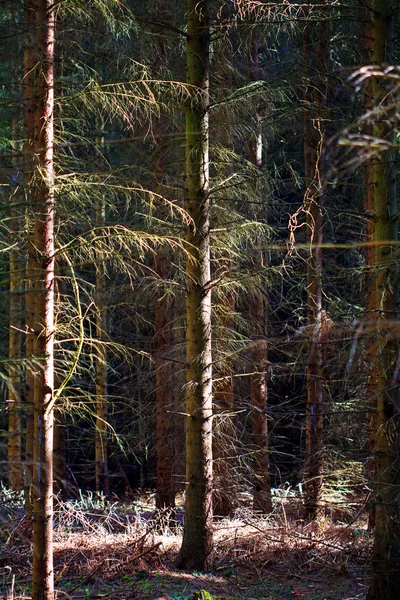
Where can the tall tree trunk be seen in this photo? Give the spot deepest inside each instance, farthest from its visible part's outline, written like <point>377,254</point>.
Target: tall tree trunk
<point>101,442</point>
<point>43,283</point>
<point>385,578</point>
<point>258,330</point>
<point>163,316</point>
<point>15,260</point>
<point>197,545</point>
<point>29,134</point>
<point>313,140</point>
<point>370,277</point>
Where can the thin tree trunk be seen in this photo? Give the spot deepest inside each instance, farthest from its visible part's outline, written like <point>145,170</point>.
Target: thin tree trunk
<point>223,433</point>
<point>385,578</point>
<point>43,205</point>
<point>223,444</point>
<point>163,317</point>
<point>370,280</point>
<point>197,545</point>
<point>29,134</point>
<point>165,492</point>
<point>14,348</point>
<point>258,330</point>
<point>313,139</point>
<point>101,442</point>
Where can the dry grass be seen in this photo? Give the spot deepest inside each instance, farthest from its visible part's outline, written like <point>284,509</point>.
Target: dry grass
<point>119,546</point>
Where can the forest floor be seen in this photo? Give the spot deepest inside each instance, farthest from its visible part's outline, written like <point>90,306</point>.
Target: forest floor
<point>123,551</point>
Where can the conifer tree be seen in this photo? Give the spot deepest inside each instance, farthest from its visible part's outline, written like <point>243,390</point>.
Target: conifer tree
<point>385,578</point>
<point>197,545</point>
<point>42,249</point>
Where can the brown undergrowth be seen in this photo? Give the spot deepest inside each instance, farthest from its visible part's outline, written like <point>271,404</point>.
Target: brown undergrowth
<point>127,551</point>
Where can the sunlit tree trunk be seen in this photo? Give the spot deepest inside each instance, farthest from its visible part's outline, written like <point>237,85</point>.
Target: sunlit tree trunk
<point>258,332</point>
<point>197,545</point>
<point>101,442</point>
<point>43,283</point>
<point>315,96</point>
<point>385,578</point>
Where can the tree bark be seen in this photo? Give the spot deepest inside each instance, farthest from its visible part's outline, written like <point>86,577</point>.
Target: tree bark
<point>313,139</point>
<point>385,577</point>
<point>43,283</point>
<point>197,545</point>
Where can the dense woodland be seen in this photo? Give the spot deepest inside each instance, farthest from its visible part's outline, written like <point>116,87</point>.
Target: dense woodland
<point>199,292</point>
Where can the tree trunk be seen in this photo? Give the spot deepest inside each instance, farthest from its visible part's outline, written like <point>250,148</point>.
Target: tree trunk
<point>223,438</point>
<point>163,315</point>
<point>43,283</point>
<point>385,578</point>
<point>101,442</point>
<point>313,140</point>
<point>258,330</point>
<point>29,134</point>
<point>15,261</point>
<point>197,545</point>
<point>370,279</point>
<point>165,492</point>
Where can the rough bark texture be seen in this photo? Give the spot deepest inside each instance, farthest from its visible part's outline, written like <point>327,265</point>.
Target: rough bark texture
<point>43,284</point>
<point>385,578</point>
<point>313,138</point>
<point>197,545</point>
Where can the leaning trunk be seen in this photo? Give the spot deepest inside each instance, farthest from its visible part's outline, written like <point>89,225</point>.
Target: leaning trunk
<point>197,544</point>
<point>43,285</point>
